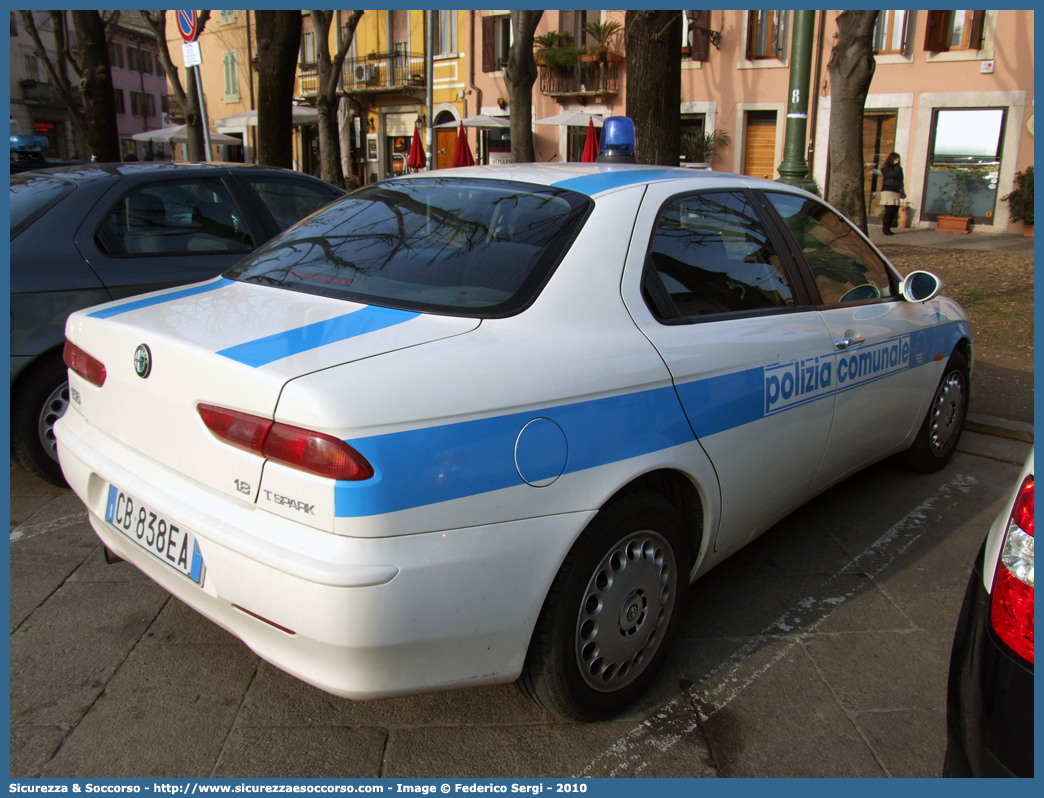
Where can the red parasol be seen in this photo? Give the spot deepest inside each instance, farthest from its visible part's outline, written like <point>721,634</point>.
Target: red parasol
<point>416,159</point>
<point>591,144</point>
<point>462,155</point>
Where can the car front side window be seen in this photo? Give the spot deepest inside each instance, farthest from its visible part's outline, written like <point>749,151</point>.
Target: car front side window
<point>844,266</point>
<point>289,201</point>
<point>713,255</point>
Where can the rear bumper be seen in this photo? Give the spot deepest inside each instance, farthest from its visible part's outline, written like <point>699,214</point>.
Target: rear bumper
<point>989,702</point>
<point>366,617</point>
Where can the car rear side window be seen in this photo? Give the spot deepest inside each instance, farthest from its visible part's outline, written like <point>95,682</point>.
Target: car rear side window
<point>289,201</point>
<point>31,195</point>
<point>713,255</point>
<point>175,217</point>
<point>844,266</point>
<point>450,245</point>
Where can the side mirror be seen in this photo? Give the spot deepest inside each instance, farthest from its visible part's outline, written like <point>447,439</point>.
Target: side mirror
<point>920,287</point>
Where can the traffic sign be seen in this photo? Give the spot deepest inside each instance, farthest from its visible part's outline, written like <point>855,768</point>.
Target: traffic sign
<point>187,25</point>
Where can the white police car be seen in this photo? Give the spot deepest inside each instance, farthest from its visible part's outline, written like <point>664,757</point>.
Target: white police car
<point>487,424</point>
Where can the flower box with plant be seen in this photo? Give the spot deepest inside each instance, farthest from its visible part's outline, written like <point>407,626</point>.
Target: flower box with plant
<point>554,50</point>
<point>1020,200</point>
<point>604,33</point>
<point>701,149</point>
<point>956,195</point>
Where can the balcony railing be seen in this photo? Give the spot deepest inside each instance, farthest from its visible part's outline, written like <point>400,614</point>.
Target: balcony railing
<point>33,91</point>
<point>587,79</point>
<point>308,79</point>
<point>383,71</point>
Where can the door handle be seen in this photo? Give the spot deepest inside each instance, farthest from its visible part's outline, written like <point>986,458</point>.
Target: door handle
<point>849,340</point>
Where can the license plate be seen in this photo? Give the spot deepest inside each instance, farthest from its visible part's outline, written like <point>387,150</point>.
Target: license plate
<point>165,540</point>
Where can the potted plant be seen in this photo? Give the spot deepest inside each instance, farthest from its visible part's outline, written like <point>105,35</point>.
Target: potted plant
<point>955,193</point>
<point>1020,200</point>
<point>547,45</point>
<point>603,33</point>
<point>700,149</point>
<point>906,211</point>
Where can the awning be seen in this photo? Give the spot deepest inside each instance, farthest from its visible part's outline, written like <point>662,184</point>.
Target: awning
<point>480,121</point>
<point>179,135</point>
<point>302,115</point>
<point>574,119</point>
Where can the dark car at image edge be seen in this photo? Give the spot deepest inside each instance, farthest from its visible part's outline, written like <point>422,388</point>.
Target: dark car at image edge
<point>86,234</point>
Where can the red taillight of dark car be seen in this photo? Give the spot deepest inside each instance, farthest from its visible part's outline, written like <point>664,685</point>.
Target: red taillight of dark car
<point>90,368</point>
<point>298,448</point>
<point>1011,601</point>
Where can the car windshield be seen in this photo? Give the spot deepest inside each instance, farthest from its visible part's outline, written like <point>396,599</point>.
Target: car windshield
<point>32,194</point>
<point>450,245</point>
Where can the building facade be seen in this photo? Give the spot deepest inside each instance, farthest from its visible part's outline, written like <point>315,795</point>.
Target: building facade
<point>140,85</point>
<point>36,108</point>
<point>951,88</point>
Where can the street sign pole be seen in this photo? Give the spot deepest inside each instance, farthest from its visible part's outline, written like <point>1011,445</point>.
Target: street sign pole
<point>203,114</point>
<point>187,27</point>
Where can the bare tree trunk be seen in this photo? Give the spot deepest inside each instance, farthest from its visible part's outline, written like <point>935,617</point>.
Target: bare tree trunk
<point>57,72</point>
<point>278,44</point>
<point>654,41</point>
<point>103,138</point>
<point>520,76</point>
<point>851,69</point>
<point>187,95</point>
<point>329,101</point>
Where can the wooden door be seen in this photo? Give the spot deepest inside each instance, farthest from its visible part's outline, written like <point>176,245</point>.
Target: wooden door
<point>759,151</point>
<point>445,146</point>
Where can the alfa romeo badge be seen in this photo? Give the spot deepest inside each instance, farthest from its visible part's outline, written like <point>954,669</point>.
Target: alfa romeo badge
<point>143,361</point>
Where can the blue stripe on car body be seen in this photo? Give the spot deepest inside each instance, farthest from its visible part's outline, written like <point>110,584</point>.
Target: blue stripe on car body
<point>605,181</point>
<point>454,461</point>
<point>159,299</point>
<point>311,336</point>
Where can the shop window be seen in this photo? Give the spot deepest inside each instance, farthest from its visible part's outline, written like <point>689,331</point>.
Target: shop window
<point>954,30</point>
<point>496,42</point>
<point>766,32</point>
<point>890,32</point>
<point>969,140</point>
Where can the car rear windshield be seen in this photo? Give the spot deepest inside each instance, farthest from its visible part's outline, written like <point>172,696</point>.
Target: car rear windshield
<point>32,194</point>
<point>458,246</point>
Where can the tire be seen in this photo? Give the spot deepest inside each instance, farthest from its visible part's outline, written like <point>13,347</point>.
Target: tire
<point>610,614</point>
<point>941,430</point>
<point>37,401</point>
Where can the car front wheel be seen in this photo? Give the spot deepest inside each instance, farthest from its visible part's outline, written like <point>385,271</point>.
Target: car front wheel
<point>607,621</point>
<point>37,402</point>
<point>941,430</point>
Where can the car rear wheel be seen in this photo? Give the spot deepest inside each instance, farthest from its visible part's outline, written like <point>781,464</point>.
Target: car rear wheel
<point>37,402</point>
<point>608,619</point>
<point>941,430</point>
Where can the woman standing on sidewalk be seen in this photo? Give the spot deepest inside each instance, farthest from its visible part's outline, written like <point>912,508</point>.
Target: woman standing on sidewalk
<point>891,191</point>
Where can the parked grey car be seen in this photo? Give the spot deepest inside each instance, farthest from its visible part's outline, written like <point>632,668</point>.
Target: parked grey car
<point>81,235</point>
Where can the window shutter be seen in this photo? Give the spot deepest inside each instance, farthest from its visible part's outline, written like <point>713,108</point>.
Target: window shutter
<point>937,34</point>
<point>978,28</point>
<point>752,21</point>
<point>907,28</point>
<point>488,36</point>
<point>700,42</point>
<point>780,20</point>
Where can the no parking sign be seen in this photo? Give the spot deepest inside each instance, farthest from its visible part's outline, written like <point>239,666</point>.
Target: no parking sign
<point>187,25</point>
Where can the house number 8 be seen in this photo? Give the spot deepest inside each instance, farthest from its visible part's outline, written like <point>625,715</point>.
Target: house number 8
<point>795,96</point>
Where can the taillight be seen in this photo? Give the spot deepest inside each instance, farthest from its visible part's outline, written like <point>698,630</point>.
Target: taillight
<point>240,429</point>
<point>298,448</point>
<point>90,368</point>
<point>1011,602</point>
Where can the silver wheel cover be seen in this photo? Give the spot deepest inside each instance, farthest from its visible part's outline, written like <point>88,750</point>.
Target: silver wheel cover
<point>947,408</point>
<point>625,610</point>
<point>53,409</point>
